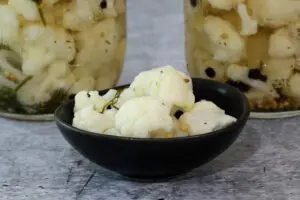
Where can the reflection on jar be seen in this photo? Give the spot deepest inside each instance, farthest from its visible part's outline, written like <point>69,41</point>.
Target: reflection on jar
<point>50,49</point>
<point>253,45</point>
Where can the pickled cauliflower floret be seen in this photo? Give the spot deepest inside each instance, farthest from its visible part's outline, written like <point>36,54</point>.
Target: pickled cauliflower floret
<point>84,99</point>
<point>279,71</point>
<point>101,50</point>
<point>43,46</point>
<point>224,4</point>
<point>275,13</point>
<point>166,83</point>
<point>9,25</point>
<point>240,74</point>
<point>249,25</point>
<point>126,95</point>
<point>142,116</point>
<point>27,8</point>
<point>90,120</point>
<point>281,44</point>
<point>293,86</point>
<point>205,117</point>
<point>83,83</point>
<point>227,44</point>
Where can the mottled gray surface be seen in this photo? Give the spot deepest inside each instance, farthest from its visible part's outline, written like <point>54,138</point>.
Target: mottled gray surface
<point>264,164</point>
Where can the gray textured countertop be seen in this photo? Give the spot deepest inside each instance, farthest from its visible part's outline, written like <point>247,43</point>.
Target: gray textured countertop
<point>36,163</point>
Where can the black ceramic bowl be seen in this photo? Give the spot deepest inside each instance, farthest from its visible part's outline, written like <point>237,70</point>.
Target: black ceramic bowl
<point>157,158</point>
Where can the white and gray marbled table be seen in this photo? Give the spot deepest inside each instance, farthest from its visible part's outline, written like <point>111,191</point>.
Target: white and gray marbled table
<point>36,163</point>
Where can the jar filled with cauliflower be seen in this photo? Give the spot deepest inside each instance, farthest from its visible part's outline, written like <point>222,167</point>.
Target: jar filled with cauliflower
<point>50,49</point>
<point>253,45</point>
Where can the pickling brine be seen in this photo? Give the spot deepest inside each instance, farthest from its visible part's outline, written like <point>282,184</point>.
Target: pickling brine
<point>50,49</point>
<point>253,45</point>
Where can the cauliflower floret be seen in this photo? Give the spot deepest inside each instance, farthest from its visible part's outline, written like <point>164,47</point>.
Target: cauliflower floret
<point>227,44</point>
<point>279,71</point>
<point>112,131</point>
<point>80,16</point>
<point>36,59</point>
<point>240,73</point>
<point>166,83</point>
<point>90,120</point>
<point>27,8</point>
<point>207,67</point>
<point>281,44</point>
<point>293,89</point>
<point>101,49</point>
<point>224,4</point>
<point>143,116</point>
<point>205,117</point>
<point>44,45</point>
<point>85,13</point>
<point>275,13</point>
<point>9,24</point>
<point>55,40</point>
<point>34,91</point>
<point>249,25</point>
<point>84,99</point>
<point>126,95</point>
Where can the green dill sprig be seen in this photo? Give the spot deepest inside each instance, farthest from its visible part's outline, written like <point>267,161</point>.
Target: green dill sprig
<point>41,13</point>
<point>112,103</point>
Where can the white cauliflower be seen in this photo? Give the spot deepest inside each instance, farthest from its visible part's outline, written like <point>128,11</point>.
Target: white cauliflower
<point>90,120</point>
<point>85,13</point>
<point>166,83</point>
<point>36,59</point>
<point>227,44</point>
<point>126,95</point>
<point>9,24</point>
<point>275,13</point>
<point>249,25</point>
<point>205,117</point>
<point>27,8</point>
<point>240,73</point>
<point>143,116</point>
<point>279,71</point>
<point>99,51</point>
<point>84,99</point>
<point>35,91</point>
<point>224,4</point>
<point>44,45</point>
<point>281,44</point>
<point>293,89</point>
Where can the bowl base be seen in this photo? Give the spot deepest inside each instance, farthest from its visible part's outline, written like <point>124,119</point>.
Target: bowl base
<point>155,178</point>
<point>29,117</point>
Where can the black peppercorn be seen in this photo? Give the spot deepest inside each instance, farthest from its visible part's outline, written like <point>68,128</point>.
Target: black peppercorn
<point>194,3</point>
<point>257,75</point>
<point>103,4</point>
<point>210,72</point>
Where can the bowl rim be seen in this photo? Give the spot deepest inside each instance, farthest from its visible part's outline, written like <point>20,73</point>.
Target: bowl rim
<point>241,120</point>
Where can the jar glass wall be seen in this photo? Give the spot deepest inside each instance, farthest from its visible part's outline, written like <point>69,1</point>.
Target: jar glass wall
<point>253,45</point>
<point>51,49</point>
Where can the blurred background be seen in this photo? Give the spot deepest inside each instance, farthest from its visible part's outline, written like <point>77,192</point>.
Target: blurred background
<point>155,36</point>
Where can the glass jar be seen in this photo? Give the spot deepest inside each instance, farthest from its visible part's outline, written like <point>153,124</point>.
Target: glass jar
<point>253,45</point>
<point>50,49</point>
